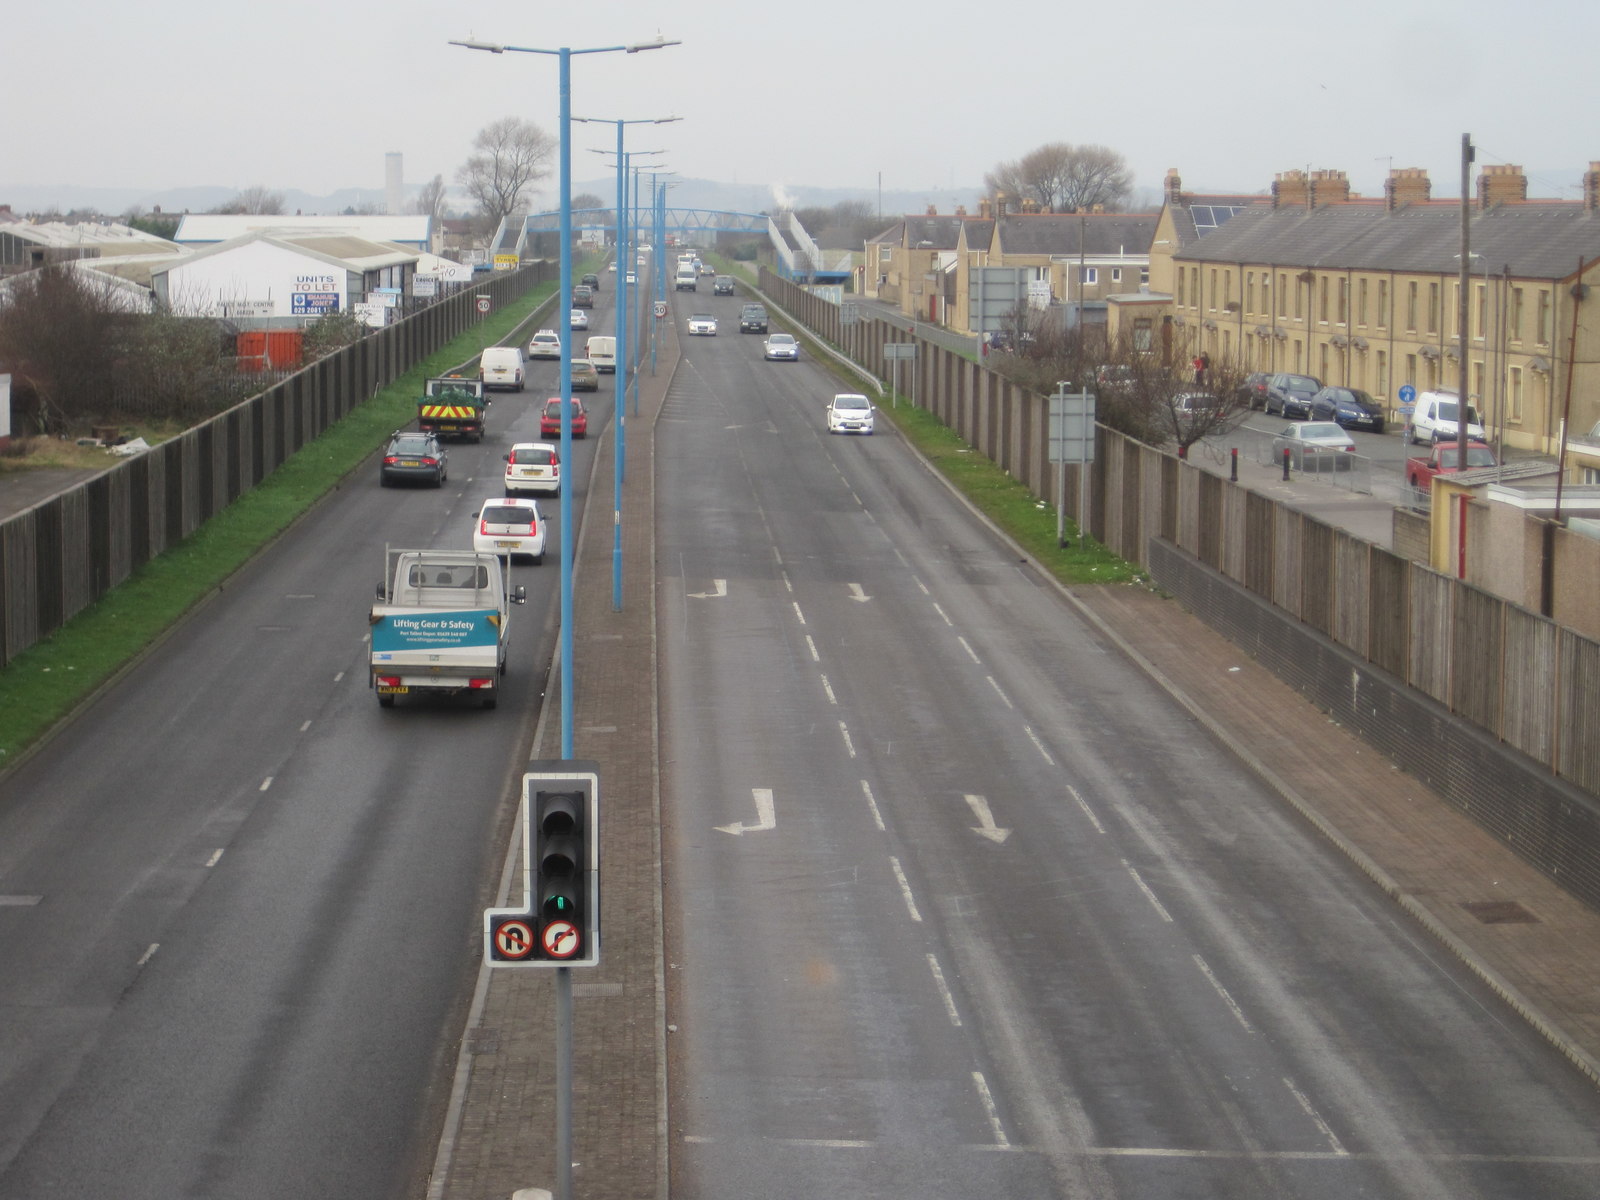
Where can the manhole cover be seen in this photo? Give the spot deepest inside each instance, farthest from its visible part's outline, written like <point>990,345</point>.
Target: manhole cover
<point>1500,912</point>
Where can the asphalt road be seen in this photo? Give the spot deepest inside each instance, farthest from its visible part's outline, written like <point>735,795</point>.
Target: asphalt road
<point>960,904</point>
<point>239,902</point>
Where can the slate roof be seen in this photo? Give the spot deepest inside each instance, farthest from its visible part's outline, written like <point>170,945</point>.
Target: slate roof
<point>1061,233</point>
<point>1535,239</point>
<point>1213,207</point>
<point>932,233</point>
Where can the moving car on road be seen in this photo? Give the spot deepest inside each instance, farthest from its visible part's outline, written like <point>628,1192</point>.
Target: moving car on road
<point>414,458</point>
<point>849,412</point>
<point>510,527</point>
<point>550,419</point>
<point>753,318</point>
<point>533,467</point>
<point>722,285</point>
<point>702,325</point>
<point>781,346</point>
<point>578,320</point>
<point>546,343</point>
<point>585,376</point>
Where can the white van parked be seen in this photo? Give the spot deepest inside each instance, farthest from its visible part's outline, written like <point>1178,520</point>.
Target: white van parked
<point>603,354</point>
<point>501,367</point>
<point>1436,418</point>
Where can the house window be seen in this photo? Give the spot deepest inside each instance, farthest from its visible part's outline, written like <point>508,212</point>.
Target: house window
<point>1433,308</point>
<point>1182,279</point>
<point>1298,311</point>
<point>1322,299</point>
<point>1383,304</point>
<point>1283,294</point>
<point>1411,369</point>
<point>1091,275</point>
<point>1361,303</point>
<point>1483,311</point>
<point>1344,301</point>
<point>1144,276</point>
<point>1213,304</point>
<point>1382,364</point>
<point>1514,395</point>
<point>1142,334</point>
<point>1514,316</point>
<point>1250,292</point>
<point>1227,288</point>
<point>1541,329</point>
<point>1411,307</point>
<point>1116,274</point>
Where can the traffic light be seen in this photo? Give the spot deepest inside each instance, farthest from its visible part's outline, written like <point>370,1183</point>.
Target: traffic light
<point>558,924</point>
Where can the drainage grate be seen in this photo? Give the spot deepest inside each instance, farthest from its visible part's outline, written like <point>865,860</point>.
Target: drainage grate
<point>1500,912</point>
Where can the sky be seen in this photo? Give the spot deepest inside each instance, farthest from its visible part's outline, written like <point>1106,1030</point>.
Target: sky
<point>826,93</point>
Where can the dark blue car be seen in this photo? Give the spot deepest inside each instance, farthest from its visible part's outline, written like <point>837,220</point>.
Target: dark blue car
<point>1350,407</point>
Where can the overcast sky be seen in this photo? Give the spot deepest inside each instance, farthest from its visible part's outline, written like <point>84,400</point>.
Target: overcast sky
<point>828,93</point>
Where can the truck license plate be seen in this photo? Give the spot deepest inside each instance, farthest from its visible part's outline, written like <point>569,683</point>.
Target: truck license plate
<point>393,691</point>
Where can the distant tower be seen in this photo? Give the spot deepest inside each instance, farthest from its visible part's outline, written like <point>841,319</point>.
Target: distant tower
<point>394,188</point>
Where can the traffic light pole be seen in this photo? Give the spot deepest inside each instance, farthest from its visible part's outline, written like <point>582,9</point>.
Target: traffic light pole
<point>564,1083</point>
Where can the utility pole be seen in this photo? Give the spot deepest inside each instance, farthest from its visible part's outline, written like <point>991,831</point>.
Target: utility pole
<point>1463,309</point>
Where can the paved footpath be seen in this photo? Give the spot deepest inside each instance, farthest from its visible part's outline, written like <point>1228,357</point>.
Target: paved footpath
<point>1535,945</point>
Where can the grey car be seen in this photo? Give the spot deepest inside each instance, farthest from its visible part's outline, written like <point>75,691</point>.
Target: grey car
<point>414,458</point>
<point>1290,395</point>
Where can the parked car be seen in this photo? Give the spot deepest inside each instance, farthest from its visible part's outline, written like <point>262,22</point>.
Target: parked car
<point>1436,417</point>
<point>782,347</point>
<point>501,367</point>
<point>1290,395</point>
<point>511,527</point>
<point>1349,407</point>
<point>1445,459</point>
<point>703,325</point>
<point>412,457</point>
<point>722,285</point>
<point>1201,409</point>
<point>533,467</point>
<point>1315,446</point>
<point>585,376</point>
<point>545,344</point>
<point>1253,391</point>
<point>550,419</point>
<point>849,412</point>
<point>578,320</point>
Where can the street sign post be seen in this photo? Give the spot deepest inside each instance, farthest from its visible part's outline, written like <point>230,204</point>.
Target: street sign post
<point>894,352</point>
<point>1071,440</point>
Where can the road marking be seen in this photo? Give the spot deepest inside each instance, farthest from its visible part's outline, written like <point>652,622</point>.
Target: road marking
<point>988,1106</point>
<point>985,826</point>
<point>921,585</point>
<point>721,586</point>
<point>1238,1013</point>
<point>766,814</point>
<point>304,725</point>
<point>788,584</point>
<point>944,991</point>
<point>857,594</point>
<point>1006,700</point>
<point>844,732</point>
<point>216,857</point>
<point>19,901</point>
<point>265,783</point>
<point>905,888</point>
<point>877,817</point>
<point>828,690</point>
<point>941,613</point>
<point>971,653</point>
<point>1087,811</point>
<point>148,954</point>
<point>1316,1118</point>
<point>1148,894</point>
<point>1038,745</point>
<point>812,646</point>
<point>339,678</point>
<point>800,615</point>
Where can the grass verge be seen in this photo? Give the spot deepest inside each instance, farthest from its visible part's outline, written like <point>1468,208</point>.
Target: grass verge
<point>51,678</point>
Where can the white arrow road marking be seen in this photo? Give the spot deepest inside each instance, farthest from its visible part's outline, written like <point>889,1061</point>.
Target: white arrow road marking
<point>766,815</point>
<point>857,594</point>
<point>722,590</point>
<point>986,826</point>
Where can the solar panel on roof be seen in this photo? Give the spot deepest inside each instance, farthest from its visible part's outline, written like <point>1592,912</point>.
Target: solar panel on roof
<point>1208,217</point>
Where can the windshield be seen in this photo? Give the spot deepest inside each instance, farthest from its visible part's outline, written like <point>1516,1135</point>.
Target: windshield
<point>1449,413</point>
<point>850,402</point>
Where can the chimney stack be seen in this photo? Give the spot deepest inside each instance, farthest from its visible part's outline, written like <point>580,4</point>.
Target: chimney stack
<point>1289,189</point>
<point>1328,187</point>
<point>1406,185</point>
<point>1172,187</point>
<point>1000,206</point>
<point>933,210</point>
<point>984,207</point>
<point>1501,183</point>
<point>1591,187</point>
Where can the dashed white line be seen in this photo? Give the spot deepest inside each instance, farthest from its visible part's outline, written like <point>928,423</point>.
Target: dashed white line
<point>788,586</point>
<point>340,676</point>
<point>988,1107</point>
<point>828,690</point>
<point>266,783</point>
<point>944,990</point>
<point>1005,699</point>
<point>941,613</point>
<point>812,646</point>
<point>872,803</point>
<point>921,585</point>
<point>971,653</point>
<point>304,725</point>
<point>148,954</point>
<point>1145,888</point>
<point>798,613</point>
<point>1038,745</point>
<point>1316,1118</point>
<point>1087,811</point>
<point>849,746</point>
<point>216,857</point>
<point>905,888</point>
<point>1238,1013</point>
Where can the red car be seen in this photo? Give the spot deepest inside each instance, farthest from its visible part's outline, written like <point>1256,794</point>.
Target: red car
<point>550,418</point>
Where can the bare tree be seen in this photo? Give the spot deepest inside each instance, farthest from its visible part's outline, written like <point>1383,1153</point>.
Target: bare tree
<point>1062,177</point>
<point>257,199</point>
<point>430,199</point>
<point>509,156</point>
<point>58,333</point>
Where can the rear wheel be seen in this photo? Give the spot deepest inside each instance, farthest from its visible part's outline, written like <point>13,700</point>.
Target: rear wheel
<point>385,701</point>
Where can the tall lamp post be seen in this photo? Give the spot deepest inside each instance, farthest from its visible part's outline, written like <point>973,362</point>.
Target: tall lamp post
<point>563,1147</point>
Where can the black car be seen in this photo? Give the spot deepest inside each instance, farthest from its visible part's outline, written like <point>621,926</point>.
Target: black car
<point>582,296</point>
<point>1290,395</point>
<point>1252,392</point>
<point>1350,407</point>
<point>722,285</point>
<point>753,318</point>
<point>413,458</point>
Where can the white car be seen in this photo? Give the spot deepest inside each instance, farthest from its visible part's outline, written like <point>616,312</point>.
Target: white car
<point>703,325</point>
<point>781,346</point>
<point>849,412</point>
<point>632,278</point>
<point>579,319</point>
<point>545,344</point>
<point>1315,446</point>
<point>533,467</point>
<point>511,528</point>
<point>612,266</point>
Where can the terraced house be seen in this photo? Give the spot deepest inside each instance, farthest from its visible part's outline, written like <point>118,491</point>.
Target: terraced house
<point>1364,292</point>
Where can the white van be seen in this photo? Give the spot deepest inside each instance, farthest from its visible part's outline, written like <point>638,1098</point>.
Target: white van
<point>501,367</point>
<point>1435,418</point>
<point>603,354</point>
<point>686,279</point>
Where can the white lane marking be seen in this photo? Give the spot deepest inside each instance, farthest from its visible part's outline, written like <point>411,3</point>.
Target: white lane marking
<point>812,646</point>
<point>1037,744</point>
<point>944,990</point>
<point>1316,1118</point>
<point>941,613</point>
<point>304,725</point>
<point>872,803</point>
<point>985,826</point>
<point>844,732</point>
<point>826,688</point>
<point>148,954</point>
<point>20,901</point>
<point>998,691</point>
<point>788,584</point>
<point>1087,811</point>
<point>339,678</point>
<point>798,613</point>
<point>921,585</point>
<point>987,1098</point>
<point>971,653</point>
<point>1145,888</point>
<point>216,857</point>
<point>766,814</point>
<point>857,594</point>
<point>826,1143</point>
<point>1238,1013</point>
<point>721,586</point>
<point>905,888</point>
<point>265,783</point>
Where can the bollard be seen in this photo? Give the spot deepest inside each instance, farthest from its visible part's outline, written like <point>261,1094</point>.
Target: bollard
<point>1286,464</point>
<point>1233,465</point>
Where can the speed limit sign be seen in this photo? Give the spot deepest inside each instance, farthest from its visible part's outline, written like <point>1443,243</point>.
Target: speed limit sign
<point>483,303</point>
<point>661,309</point>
